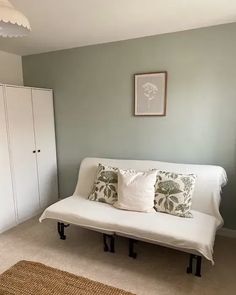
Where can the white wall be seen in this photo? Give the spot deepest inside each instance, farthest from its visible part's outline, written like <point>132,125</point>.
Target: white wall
<point>10,68</point>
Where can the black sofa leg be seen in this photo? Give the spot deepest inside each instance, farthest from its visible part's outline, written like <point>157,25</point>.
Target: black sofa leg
<point>197,261</point>
<point>132,253</point>
<point>109,243</point>
<point>112,244</point>
<point>190,266</point>
<point>105,245</point>
<point>61,230</point>
<point>198,266</point>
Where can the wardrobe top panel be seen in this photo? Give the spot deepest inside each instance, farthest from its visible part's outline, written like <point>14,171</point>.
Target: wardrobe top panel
<point>19,86</point>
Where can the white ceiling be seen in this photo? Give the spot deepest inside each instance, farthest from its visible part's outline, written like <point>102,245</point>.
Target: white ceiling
<point>60,24</point>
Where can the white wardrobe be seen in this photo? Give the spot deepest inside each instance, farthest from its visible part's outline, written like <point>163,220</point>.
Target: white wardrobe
<point>28,164</point>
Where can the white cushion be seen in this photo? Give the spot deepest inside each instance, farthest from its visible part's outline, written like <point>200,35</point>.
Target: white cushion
<point>194,235</point>
<point>136,190</point>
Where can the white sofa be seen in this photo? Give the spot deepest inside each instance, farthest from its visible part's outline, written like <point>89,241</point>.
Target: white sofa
<point>192,235</point>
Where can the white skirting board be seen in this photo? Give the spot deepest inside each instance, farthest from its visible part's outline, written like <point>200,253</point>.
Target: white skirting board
<point>226,232</point>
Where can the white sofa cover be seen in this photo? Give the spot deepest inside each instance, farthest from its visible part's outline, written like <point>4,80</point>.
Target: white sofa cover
<point>193,235</point>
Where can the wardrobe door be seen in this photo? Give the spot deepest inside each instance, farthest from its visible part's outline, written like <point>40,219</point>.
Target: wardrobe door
<point>22,151</point>
<point>7,210</point>
<point>45,145</point>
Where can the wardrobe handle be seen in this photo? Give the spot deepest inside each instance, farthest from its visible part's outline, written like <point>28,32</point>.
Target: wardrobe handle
<point>34,152</point>
<point>38,151</point>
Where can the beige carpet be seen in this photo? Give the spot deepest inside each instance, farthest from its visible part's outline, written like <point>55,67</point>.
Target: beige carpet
<point>157,270</point>
<point>28,277</point>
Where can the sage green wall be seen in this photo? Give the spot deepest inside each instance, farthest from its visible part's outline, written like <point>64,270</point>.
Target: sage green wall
<point>93,88</point>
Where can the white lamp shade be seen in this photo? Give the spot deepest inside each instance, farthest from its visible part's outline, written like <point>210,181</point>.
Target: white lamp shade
<point>12,22</point>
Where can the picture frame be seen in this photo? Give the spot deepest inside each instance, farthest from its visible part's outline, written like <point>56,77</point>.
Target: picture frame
<point>150,94</point>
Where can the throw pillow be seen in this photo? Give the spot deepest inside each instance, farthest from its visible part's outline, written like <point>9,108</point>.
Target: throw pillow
<point>173,193</point>
<point>136,190</point>
<point>105,185</point>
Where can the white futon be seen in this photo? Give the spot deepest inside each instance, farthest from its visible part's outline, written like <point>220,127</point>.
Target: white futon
<point>193,235</point>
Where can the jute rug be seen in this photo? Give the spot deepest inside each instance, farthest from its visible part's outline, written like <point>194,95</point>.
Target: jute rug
<point>32,278</point>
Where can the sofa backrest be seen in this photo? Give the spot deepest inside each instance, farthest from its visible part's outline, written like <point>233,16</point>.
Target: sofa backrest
<point>206,197</point>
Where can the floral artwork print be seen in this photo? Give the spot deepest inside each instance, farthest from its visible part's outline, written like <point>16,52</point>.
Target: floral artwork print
<point>150,94</point>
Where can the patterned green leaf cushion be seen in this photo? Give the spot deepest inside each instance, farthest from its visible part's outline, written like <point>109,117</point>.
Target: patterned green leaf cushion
<point>105,185</point>
<point>173,193</point>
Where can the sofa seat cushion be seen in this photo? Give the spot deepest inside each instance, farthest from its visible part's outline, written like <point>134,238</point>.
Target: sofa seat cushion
<point>194,235</point>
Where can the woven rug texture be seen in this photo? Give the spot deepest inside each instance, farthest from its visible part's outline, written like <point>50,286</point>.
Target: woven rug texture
<point>33,278</point>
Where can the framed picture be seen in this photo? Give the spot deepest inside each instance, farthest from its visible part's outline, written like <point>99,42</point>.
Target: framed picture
<point>150,94</point>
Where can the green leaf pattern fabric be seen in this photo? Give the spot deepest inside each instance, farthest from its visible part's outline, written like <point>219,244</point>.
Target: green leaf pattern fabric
<point>105,185</point>
<point>173,193</point>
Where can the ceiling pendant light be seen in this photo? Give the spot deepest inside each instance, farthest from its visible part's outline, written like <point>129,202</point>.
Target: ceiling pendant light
<point>13,23</point>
